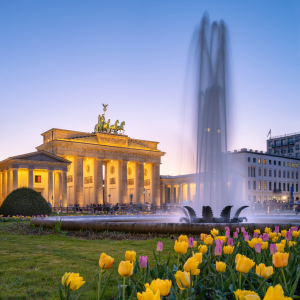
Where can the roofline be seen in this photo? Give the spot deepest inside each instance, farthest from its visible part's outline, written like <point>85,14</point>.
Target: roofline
<point>176,176</point>
<point>263,153</point>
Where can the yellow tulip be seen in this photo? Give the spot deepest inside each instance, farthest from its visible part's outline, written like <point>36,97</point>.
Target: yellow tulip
<point>183,238</point>
<point>272,235</point>
<point>280,260</point>
<point>295,234</point>
<point>125,268</point>
<point>163,286</point>
<point>244,264</point>
<point>245,295</point>
<point>195,244</point>
<point>280,247</point>
<point>283,242</point>
<point>221,238</point>
<point>292,244</point>
<point>203,249</point>
<point>275,239</point>
<point>208,241</point>
<point>228,249</point>
<point>191,265</point>
<point>262,270</point>
<point>183,278</point>
<point>181,247</point>
<point>130,256</point>
<point>279,234</point>
<point>267,230</point>
<point>276,293</point>
<point>254,241</point>
<point>73,280</point>
<point>214,232</point>
<point>220,266</point>
<point>203,236</point>
<point>148,295</point>
<point>257,231</point>
<point>264,245</point>
<point>105,261</point>
<point>198,257</point>
<point>283,233</point>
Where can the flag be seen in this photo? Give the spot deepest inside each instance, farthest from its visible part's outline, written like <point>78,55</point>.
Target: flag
<point>269,134</point>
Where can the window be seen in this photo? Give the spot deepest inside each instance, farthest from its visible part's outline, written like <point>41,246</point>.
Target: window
<point>265,172</point>
<point>277,143</point>
<point>297,147</point>
<point>265,161</point>
<point>283,142</point>
<point>297,154</point>
<point>249,184</point>
<point>248,159</point>
<point>249,172</point>
<point>249,198</point>
<point>296,175</point>
<point>284,163</point>
<point>254,199</point>
<point>283,150</point>
<point>253,172</point>
<point>296,187</point>
<point>274,185</point>
<point>296,165</point>
<point>292,165</point>
<point>265,185</point>
<point>288,164</point>
<point>288,174</point>
<point>279,186</point>
<point>288,187</point>
<point>270,186</point>
<point>37,179</point>
<point>259,161</point>
<point>274,162</point>
<point>279,173</point>
<point>254,160</point>
<point>270,162</point>
<point>259,185</point>
<point>297,139</point>
<point>279,163</point>
<point>284,186</point>
<point>283,174</point>
<point>292,175</point>
<point>265,198</point>
<point>259,172</point>
<point>290,141</point>
<point>259,198</point>
<point>270,144</point>
<point>274,173</point>
<point>270,173</point>
<point>254,185</point>
<point>290,149</point>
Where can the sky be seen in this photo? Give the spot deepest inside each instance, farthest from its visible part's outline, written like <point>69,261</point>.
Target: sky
<point>60,60</point>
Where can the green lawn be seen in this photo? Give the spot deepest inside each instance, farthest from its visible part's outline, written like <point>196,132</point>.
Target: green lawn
<point>31,266</point>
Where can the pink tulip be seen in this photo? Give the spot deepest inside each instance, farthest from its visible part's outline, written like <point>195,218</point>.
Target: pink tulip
<point>237,230</point>
<point>242,229</point>
<point>260,236</point>
<point>230,242</point>
<point>288,236</point>
<point>191,243</point>
<point>245,233</point>
<point>273,249</point>
<point>276,229</point>
<point>246,237</point>
<point>295,228</point>
<point>227,234</point>
<point>227,228</point>
<point>159,246</point>
<point>219,247</point>
<point>235,235</point>
<point>257,248</point>
<point>255,235</point>
<point>265,237</point>
<point>143,262</point>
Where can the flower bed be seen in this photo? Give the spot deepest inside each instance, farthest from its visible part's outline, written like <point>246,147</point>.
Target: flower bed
<point>18,218</point>
<point>217,266</point>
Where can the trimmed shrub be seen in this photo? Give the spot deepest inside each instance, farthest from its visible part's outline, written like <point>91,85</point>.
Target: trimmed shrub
<point>24,202</point>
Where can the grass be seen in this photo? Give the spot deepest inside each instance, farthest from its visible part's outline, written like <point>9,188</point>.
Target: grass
<point>31,266</point>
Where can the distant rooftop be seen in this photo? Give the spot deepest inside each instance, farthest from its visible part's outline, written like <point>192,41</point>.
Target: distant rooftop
<point>284,135</point>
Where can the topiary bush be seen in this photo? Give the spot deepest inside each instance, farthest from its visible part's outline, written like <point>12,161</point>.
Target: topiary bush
<point>24,202</point>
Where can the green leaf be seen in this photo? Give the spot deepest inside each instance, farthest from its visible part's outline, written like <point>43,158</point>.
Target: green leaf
<point>293,289</point>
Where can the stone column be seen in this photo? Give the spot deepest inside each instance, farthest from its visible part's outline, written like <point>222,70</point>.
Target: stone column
<point>98,180</point>
<point>15,179</point>
<point>9,181</point>
<point>179,193</point>
<point>105,184</point>
<point>50,187</point>
<point>163,194</point>
<point>123,182</point>
<point>30,178</point>
<point>189,192</point>
<point>140,182</point>
<point>64,189</point>
<point>172,194</point>
<point>56,190</point>
<point>79,180</point>
<point>4,185</point>
<point>60,189</point>
<point>156,184</point>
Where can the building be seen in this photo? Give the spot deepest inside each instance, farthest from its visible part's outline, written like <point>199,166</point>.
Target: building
<point>286,145</point>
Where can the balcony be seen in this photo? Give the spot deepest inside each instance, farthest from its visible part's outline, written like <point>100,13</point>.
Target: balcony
<point>277,191</point>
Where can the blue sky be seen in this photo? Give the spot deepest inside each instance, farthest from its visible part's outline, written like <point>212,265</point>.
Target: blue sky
<point>60,60</point>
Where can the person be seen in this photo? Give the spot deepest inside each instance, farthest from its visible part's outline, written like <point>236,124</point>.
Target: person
<point>49,204</point>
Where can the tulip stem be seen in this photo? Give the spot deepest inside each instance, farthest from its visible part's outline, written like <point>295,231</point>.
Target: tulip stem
<point>99,284</point>
<point>178,261</point>
<point>159,256</point>
<point>240,280</point>
<point>124,287</point>
<point>283,278</point>
<point>222,279</point>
